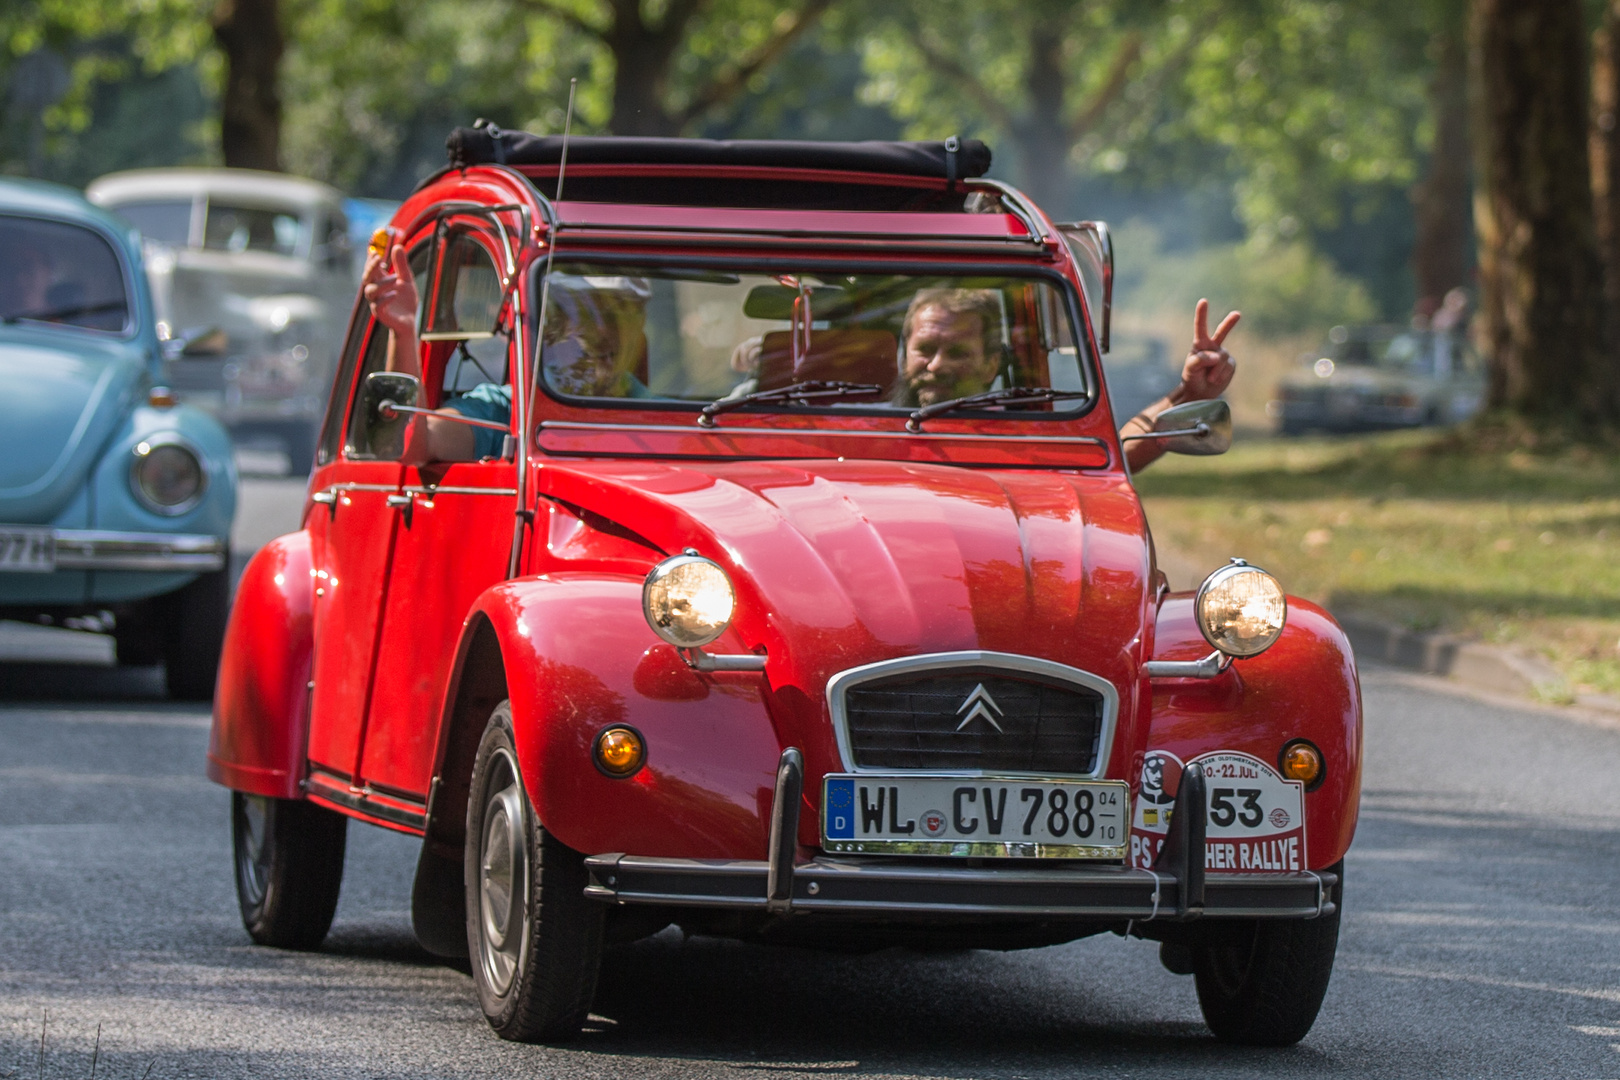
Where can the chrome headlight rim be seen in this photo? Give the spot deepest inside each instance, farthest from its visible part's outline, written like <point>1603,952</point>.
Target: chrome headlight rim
<point>665,629</point>
<point>1236,568</point>
<point>143,450</point>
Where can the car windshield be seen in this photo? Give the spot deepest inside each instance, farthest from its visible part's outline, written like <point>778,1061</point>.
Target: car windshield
<point>251,228</point>
<point>54,272</point>
<point>888,341</point>
<point>167,221</point>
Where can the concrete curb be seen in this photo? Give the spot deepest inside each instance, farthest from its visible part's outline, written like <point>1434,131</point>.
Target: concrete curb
<point>1485,666</point>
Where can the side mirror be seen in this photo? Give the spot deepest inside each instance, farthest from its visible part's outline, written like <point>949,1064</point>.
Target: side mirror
<point>201,343</point>
<point>1201,428</point>
<point>1092,246</point>
<point>383,431</point>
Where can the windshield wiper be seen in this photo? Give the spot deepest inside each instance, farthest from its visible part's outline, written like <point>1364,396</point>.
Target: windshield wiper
<point>809,390</point>
<point>63,313</point>
<point>1013,395</point>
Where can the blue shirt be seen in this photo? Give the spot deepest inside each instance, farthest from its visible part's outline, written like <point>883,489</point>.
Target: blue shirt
<point>486,401</point>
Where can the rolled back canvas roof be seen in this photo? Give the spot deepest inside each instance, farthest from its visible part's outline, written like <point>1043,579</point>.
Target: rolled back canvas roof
<point>482,146</point>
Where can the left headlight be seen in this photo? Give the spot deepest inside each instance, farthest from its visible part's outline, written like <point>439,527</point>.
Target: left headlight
<point>1241,609</point>
<point>167,477</point>
<point>688,601</point>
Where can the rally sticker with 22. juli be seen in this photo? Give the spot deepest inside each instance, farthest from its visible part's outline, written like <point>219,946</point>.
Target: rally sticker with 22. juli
<point>1256,819</point>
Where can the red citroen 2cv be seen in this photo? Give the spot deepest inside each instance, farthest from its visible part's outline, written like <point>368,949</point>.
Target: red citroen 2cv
<point>650,579</point>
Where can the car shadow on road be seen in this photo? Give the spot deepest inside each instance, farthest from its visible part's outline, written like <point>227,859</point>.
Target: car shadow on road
<point>80,682</point>
<point>940,1014</point>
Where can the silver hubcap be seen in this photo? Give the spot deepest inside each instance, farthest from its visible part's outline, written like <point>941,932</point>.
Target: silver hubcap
<point>253,854</point>
<point>503,879</point>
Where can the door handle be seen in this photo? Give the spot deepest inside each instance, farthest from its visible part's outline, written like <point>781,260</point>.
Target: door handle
<point>404,504</point>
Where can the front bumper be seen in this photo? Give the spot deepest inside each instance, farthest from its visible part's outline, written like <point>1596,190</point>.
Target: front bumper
<point>1177,888</point>
<point>890,888</point>
<point>103,549</point>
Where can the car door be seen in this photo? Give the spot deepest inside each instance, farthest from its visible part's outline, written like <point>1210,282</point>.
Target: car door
<point>454,537</point>
<point>351,527</point>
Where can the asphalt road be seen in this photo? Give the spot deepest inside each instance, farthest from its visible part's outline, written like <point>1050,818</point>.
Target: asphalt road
<point>1480,937</point>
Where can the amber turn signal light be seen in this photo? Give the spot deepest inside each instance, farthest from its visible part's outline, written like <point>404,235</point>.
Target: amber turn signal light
<point>619,751</point>
<point>1301,761</point>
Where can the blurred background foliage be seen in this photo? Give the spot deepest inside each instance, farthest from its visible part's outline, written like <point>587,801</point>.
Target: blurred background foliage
<point>1263,151</point>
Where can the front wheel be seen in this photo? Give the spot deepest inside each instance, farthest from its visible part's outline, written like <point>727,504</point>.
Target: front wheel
<point>289,868</point>
<point>1266,988</point>
<point>535,941</point>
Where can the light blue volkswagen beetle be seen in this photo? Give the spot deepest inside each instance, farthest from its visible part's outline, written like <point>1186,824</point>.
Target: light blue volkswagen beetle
<point>115,503</point>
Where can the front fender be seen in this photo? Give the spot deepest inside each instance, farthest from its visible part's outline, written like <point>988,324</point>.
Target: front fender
<point>261,703</point>
<point>1304,687</point>
<point>579,657</point>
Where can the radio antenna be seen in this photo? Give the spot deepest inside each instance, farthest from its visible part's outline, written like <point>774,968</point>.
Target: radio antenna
<point>551,252</point>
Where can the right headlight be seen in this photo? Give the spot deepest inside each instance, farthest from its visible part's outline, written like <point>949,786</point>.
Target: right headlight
<point>688,601</point>
<point>1241,609</point>
<point>167,477</point>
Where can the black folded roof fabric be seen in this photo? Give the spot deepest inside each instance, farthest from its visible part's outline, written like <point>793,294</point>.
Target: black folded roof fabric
<point>481,146</point>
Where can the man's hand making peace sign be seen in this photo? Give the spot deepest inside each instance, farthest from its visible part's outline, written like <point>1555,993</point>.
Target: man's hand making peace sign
<point>1206,374</point>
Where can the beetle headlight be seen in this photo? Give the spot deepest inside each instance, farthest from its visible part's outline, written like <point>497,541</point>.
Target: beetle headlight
<point>688,601</point>
<point>167,477</point>
<point>1241,609</point>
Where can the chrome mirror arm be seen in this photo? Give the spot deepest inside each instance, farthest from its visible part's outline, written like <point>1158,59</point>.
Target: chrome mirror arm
<point>389,410</point>
<point>1200,429</point>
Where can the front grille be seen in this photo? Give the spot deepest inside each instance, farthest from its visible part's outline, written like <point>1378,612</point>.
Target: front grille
<point>949,721</point>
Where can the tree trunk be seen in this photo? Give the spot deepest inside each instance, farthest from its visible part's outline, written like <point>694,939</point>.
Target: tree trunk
<point>1605,150</point>
<point>1542,307</point>
<point>1440,257</point>
<point>1042,133</point>
<point>642,54</point>
<point>249,31</point>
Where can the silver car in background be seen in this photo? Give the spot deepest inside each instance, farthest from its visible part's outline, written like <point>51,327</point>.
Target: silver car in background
<point>263,257</point>
<point>1371,377</point>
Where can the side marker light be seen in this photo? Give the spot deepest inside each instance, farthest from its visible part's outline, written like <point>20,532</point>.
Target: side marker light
<point>619,751</point>
<point>1301,761</point>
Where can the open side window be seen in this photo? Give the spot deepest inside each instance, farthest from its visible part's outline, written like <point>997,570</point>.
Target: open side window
<point>1093,249</point>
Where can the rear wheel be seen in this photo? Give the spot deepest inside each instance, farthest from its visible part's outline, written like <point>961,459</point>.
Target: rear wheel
<point>535,941</point>
<point>193,629</point>
<point>289,868</point>
<point>1266,988</point>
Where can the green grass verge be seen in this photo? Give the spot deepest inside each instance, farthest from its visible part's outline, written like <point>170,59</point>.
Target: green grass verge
<point>1470,533</point>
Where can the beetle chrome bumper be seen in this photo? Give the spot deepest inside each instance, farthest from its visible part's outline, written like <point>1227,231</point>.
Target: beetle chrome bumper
<point>100,549</point>
<point>1177,888</point>
<point>890,887</point>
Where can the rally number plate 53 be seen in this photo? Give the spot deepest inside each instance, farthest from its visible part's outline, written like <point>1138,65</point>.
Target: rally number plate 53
<point>982,817</point>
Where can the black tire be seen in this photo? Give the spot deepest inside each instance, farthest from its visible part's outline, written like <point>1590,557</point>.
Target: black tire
<point>193,631</point>
<point>1267,989</point>
<point>289,868</point>
<point>534,940</point>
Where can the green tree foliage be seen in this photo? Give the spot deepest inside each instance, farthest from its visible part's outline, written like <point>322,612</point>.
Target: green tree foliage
<point>58,56</point>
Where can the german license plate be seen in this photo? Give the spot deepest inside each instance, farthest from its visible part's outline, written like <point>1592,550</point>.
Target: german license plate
<point>27,551</point>
<point>976,817</point>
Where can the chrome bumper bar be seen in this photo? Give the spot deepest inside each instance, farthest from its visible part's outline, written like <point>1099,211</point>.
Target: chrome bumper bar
<point>890,888</point>
<point>1178,888</point>
<point>103,549</point>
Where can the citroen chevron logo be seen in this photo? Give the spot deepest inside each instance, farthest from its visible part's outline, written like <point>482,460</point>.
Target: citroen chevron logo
<point>979,706</point>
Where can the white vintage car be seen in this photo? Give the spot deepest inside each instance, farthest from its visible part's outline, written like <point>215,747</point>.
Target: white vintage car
<point>267,259</point>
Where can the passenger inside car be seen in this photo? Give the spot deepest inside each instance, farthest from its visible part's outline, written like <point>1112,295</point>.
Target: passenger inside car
<point>953,342</point>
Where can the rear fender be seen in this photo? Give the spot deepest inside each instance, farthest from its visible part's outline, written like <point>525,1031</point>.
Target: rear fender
<point>1304,687</point>
<point>578,657</point>
<point>261,705</point>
